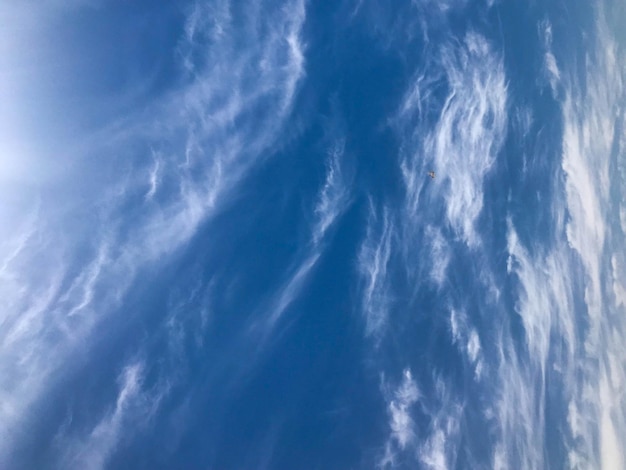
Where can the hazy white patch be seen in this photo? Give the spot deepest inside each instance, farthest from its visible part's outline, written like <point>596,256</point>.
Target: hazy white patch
<point>473,346</point>
<point>373,263</point>
<point>154,178</point>
<point>611,406</point>
<point>536,303</point>
<point>292,288</point>
<point>551,69</point>
<point>524,120</point>
<point>618,274</point>
<point>399,402</point>
<point>82,290</point>
<point>440,254</point>
<point>400,420</point>
<point>356,9</point>
<point>334,197</point>
<point>467,340</point>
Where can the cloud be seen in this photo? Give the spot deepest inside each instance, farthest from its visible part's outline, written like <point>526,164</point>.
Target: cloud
<point>115,211</point>
<point>619,289</point>
<point>439,450</point>
<point>555,316</point>
<point>467,340</point>
<point>332,200</point>
<point>550,67</point>
<point>334,197</point>
<point>154,178</point>
<point>470,129</point>
<point>597,412</point>
<point>373,262</point>
<point>133,408</point>
<point>399,402</point>
<point>544,297</point>
<point>290,290</point>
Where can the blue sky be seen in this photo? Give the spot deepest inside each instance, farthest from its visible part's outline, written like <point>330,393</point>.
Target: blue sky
<point>220,247</point>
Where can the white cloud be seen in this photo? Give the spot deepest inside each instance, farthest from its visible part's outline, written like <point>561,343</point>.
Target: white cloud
<point>154,177</point>
<point>589,113</point>
<point>440,254</point>
<point>98,223</point>
<point>468,136</point>
<point>290,289</point>
<point>467,340</point>
<point>551,69</point>
<point>470,130</point>
<point>334,197</point>
<point>591,376</point>
<point>618,274</point>
<point>332,200</point>
<point>133,408</point>
<point>440,449</point>
<point>373,262</point>
<point>399,403</point>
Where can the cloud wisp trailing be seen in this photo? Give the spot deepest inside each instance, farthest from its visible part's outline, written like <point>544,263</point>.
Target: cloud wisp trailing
<point>373,264</point>
<point>134,406</point>
<point>332,201</point>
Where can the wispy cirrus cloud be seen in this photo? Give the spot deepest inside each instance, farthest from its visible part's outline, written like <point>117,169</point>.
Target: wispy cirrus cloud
<point>550,67</point>
<point>73,263</point>
<point>439,448</point>
<point>439,451</point>
<point>470,131</point>
<point>575,337</point>
<point>468,341</point>
<point>402,427</point>
<point>333,199</point>
<point>373,263</point>
<point>597,414</point>
<point>545,304</point>
<point>133,407</point>
<point>468,135</point>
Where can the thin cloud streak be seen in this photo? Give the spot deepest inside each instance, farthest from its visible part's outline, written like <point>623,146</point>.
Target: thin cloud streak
<point>334,197</point>
<point>373,261</point>
<point>132,410</point>
<point>332,201</point>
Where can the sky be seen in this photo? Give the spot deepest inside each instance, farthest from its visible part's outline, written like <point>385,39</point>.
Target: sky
<point>220,246</point>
